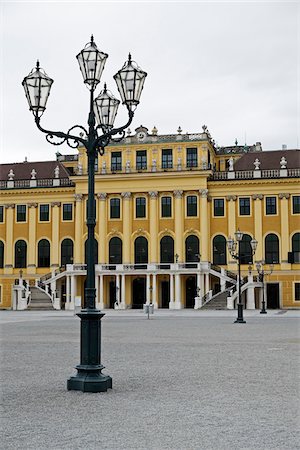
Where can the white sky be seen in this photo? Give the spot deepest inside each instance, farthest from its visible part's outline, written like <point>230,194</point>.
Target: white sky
<point>233,66</point>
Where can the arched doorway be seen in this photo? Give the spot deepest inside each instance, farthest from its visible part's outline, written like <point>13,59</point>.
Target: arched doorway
<point>219,250</point>
<point>190,291</point>
<point>165,294</point>
<point>246,249</point>
<point>192,253</point>
<point>20,254</point>
<point>115,251</point>
<point>138,293</point>
<point>44,253</point>
<point>141,252</point>
<point>272,249</point>
<point>66,252</point>
<point>95,251</point>
<point>167,250</point>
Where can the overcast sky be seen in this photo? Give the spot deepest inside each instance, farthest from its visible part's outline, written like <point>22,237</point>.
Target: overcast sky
<point>233,66</point>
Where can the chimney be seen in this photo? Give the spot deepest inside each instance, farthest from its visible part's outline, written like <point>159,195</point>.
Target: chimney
<point>284,147</point>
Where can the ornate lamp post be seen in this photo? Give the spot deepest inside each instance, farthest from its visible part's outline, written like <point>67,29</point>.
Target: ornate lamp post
<point>232,245</point>
<point>261,272</point>
<point>130,80</point>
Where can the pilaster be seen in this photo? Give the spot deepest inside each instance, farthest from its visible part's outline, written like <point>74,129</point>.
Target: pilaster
<point>153,222</point>
<point>9,253</point>
<point>204,224</point>
<point>284,224</point>
<point>31,262</point>
<point>127,227</point>
<point>179,218</point>
<point>78,259</point>
<point>102,227</point>
<point>55,235</point>
<point>258,229</point>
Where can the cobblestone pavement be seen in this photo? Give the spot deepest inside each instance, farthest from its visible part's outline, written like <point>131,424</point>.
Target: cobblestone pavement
<point>182,380</point>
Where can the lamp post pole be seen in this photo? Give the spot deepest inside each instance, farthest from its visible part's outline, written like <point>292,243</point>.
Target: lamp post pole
<point>130,80</point>
<point>262,273</point>
<point>232,245</point>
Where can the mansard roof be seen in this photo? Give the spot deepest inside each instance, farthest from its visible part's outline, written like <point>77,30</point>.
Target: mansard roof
<point>22,171</point>
<point>269,159</point>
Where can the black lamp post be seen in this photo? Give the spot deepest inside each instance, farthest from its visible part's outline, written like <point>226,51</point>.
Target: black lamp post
<point>261,272</point>
<point>130,80</point>
<point>232,244</point>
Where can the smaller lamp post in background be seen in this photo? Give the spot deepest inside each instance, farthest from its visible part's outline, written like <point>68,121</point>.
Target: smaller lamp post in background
<point>261,272</point>
<point>232,246</point>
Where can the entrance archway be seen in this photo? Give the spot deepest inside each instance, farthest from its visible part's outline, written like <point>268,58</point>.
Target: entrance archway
<point>273,296</point>
<point>165,294</point>
<point>138,293</point>
<point>190,291</point>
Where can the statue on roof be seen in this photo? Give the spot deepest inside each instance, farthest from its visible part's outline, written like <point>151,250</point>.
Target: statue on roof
<point>256,164</point>
<point>56,172</point>
<point>11,175</point>
<point>283,163</point>
<point>230,164</point>
<point>33,174</point>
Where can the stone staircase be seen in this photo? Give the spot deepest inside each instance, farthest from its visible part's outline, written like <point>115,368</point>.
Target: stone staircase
<point>217,302</point>
<point>40,301</point>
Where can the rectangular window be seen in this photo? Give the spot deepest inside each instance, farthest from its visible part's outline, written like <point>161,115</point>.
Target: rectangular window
<point>166,207</point>
<point>191,205</point>
<point>21,213</point>
<point>244,206</point>
<point>271,207</point>
<point>218,207</point>
<point>141,159</point>
<point>116,161</point>
<point>167,159</point>
<point>297,292</point>
<point>1,214</point>
<point>191,157</point>
<point>140,207</point>
<point>296,204</point>
<point>67,211</point>
<point>115,208</point>
<point>44,213</point>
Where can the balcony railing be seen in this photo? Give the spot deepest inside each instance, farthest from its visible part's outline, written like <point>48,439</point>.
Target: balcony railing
<point>29,184</point>
<point>254,174</point>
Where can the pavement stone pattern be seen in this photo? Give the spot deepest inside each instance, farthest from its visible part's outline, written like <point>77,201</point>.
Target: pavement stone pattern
<point>182,380</point>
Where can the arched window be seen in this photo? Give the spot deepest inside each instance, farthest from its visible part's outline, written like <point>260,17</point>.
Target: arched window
<point>20,254</point>
<point>219,250</point>
<point>95,251</point>
<point>141,250</point>
<point>115,251</point>
<point>44,253</point>
<point>66,252</point>
<point>246,249</point>
<point>1,255</point>
<point>192,253</point>
<point>296,247</point>
<point>272,249</point>
<point>167,250</point>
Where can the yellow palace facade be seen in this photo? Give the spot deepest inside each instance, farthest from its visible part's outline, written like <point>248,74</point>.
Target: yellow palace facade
<point>166,206</point>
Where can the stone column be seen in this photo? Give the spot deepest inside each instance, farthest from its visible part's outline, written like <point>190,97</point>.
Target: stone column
<point>102,227</point>
<point>231,199</point>
<point>67,304</point>
<point>31,262</point>
<point>154,291</point>
<point>118,290</point>
<point>79,244</point>
<point>178,304</point>
<point>284,225</point>
<point>258,229</point>
<point>207,288</point>
<point>55,235</point>
<point>171,303</point>
<point>123,293</point>
<point>153,224</point>
<point>147,289</point>
<point>9,248</point>
<point>250,294</point>
<point>101,302</point>
<point>222,281</point>
<point>179,224</point>
<point>72,292</point>
<point>204,225</point>
<point>127,226</point>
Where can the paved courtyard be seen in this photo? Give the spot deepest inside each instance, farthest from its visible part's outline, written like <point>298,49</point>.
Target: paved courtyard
<point>181,380</point>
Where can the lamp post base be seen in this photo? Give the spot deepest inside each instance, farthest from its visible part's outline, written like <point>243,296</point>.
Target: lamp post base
<point>240,318</point>
<point>263,312</point>
<point>89,379</point>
